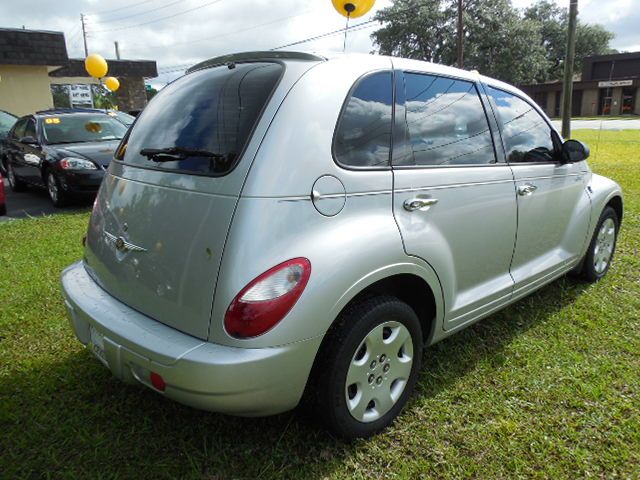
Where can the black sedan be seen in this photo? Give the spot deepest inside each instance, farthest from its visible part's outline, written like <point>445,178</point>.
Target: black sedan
<point>66,153</point>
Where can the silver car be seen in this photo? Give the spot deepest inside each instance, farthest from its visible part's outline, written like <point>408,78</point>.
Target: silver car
<point>280,227</point>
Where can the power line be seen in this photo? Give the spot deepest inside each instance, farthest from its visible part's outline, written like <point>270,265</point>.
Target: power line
<point>157,19</point>
<point>106,12</point>
<point>242,30</point>
<point>360,26</point>
<point>140,13</point>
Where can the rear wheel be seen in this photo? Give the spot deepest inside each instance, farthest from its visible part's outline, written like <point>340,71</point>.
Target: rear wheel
<point>57,196</point>
<point>15,183</point>
<point>602,247</point>
<point>367,367</point>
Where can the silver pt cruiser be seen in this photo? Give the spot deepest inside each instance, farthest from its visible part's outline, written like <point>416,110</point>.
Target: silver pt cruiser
<point>281,225</point>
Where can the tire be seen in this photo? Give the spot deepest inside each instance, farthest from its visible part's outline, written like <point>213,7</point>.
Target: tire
<point>57,196</point>
<point>15,183</point>
<point>598,259</point>
<point>377,343</point>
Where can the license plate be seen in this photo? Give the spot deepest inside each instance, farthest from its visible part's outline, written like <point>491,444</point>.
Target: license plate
<point>97,345</point>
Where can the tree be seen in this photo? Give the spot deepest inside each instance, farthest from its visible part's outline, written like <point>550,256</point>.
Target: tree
<point>553,21</point>
<point>500,41</point>
<point>417,29</point>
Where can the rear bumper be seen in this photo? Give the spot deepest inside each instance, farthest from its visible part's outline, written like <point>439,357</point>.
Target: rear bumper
<point>240,381</point>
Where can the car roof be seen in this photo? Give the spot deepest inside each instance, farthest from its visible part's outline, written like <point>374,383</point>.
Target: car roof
<point>65,111</point>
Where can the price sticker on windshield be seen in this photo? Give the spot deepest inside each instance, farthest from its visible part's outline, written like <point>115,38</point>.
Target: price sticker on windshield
<point>55,120</point>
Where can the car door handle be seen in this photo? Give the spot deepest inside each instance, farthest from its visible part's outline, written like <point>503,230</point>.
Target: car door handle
<point>413,204</point>
<point>526,189</point>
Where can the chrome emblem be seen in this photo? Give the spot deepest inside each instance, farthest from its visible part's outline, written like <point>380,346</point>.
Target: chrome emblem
<point>122,245</point>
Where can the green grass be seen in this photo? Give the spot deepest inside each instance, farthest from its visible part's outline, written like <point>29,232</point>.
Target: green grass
<point>548,388</point>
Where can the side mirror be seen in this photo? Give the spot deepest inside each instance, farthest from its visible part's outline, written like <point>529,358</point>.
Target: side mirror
<point>574,151</point>
<point>29,140</point>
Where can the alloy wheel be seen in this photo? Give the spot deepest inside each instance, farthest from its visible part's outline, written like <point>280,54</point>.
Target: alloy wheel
<point>52,188</point>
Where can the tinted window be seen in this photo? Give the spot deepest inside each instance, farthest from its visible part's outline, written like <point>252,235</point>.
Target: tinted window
<point>526,134</point>
<point>82,127</point>
<point>446,122</point>
<point>30,129</point>
<point>363,135</point>
<point>211,110</point>
<point>18,130</point>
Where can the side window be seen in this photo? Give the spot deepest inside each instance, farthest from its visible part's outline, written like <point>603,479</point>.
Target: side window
<point>363,134</point>
<point>446,122</point>
<point>18,129</point>
<point>526,134</point>
<point>30,128</point>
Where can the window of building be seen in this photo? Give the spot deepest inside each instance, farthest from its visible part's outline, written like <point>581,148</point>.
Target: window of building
<point>526,134</point>
<point>363,134</point>
<point>628,100</point>
<point>446,122</point>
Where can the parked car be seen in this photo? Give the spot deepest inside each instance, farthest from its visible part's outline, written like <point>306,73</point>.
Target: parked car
<point>282,226</point>
<point>3,200</point>
<point>7,120</point>
<point>123,117</point>
<point>62,151</point>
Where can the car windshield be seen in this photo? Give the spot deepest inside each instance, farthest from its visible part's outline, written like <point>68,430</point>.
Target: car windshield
<point>211,111</point>
<point>82,127</point>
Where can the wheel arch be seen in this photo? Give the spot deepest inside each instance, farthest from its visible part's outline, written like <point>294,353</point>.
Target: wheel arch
<point>416,285</point>
<point>615,202</point>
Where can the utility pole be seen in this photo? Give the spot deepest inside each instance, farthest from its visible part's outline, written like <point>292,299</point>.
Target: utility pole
<point>460,37</point>
<point>567,87</point>
<point>84,36</point>
<point>117,50</point>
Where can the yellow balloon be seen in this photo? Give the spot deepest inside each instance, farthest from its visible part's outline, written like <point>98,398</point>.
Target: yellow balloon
<point>353,8</point>
<point>96,65</point>
<point>112,83</point>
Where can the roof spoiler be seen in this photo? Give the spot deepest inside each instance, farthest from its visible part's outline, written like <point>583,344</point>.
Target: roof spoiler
<point>255,56</point>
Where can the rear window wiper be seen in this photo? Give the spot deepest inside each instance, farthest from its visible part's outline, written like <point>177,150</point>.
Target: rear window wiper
<point>172,154</point>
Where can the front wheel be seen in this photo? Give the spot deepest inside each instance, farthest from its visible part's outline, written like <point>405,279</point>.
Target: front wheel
<point>367,367</point>
<point>602,247</point>
<point>57,196</point>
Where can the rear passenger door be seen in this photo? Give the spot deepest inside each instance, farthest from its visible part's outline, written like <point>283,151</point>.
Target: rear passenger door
<point>454,198</point>
<point>553,205</point>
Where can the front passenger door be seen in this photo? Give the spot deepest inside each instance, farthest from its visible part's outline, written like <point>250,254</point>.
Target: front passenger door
<point>553,205</point>
<point>453,198</point>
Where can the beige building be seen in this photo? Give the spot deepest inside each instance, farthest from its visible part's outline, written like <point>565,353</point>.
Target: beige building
<point>32,61</point>
<point>26,58</point>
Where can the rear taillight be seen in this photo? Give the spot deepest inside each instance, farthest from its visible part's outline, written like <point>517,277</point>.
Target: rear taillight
<point>267,299</point>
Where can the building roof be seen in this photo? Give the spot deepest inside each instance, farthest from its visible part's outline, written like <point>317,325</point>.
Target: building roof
<point>117,68</point>
<point>32,47</point>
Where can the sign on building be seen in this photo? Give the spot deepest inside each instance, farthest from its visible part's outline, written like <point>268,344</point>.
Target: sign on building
<point>615,83</point>
<point>80,95</point>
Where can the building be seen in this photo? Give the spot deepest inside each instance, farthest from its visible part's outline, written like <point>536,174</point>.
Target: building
<point>608,85</point>
<point>26,58</point>
<point>33,64</point>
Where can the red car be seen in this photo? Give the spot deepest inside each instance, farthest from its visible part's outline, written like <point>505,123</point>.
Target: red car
<point>3,205</point>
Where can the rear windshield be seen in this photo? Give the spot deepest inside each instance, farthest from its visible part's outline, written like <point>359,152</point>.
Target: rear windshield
<point>82,127</point>
<point>202,121</point>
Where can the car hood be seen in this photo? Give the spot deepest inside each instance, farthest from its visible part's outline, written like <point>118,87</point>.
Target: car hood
<point>99,152</point>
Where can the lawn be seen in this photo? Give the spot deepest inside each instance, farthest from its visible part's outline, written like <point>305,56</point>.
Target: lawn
<point>548,388</point>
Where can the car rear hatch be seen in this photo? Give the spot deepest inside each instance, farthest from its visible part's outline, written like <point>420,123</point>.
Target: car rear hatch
<point>160,221</point>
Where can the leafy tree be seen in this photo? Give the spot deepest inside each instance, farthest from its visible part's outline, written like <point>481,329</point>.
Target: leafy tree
<point>517,47</point>
<point>554,21</point>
